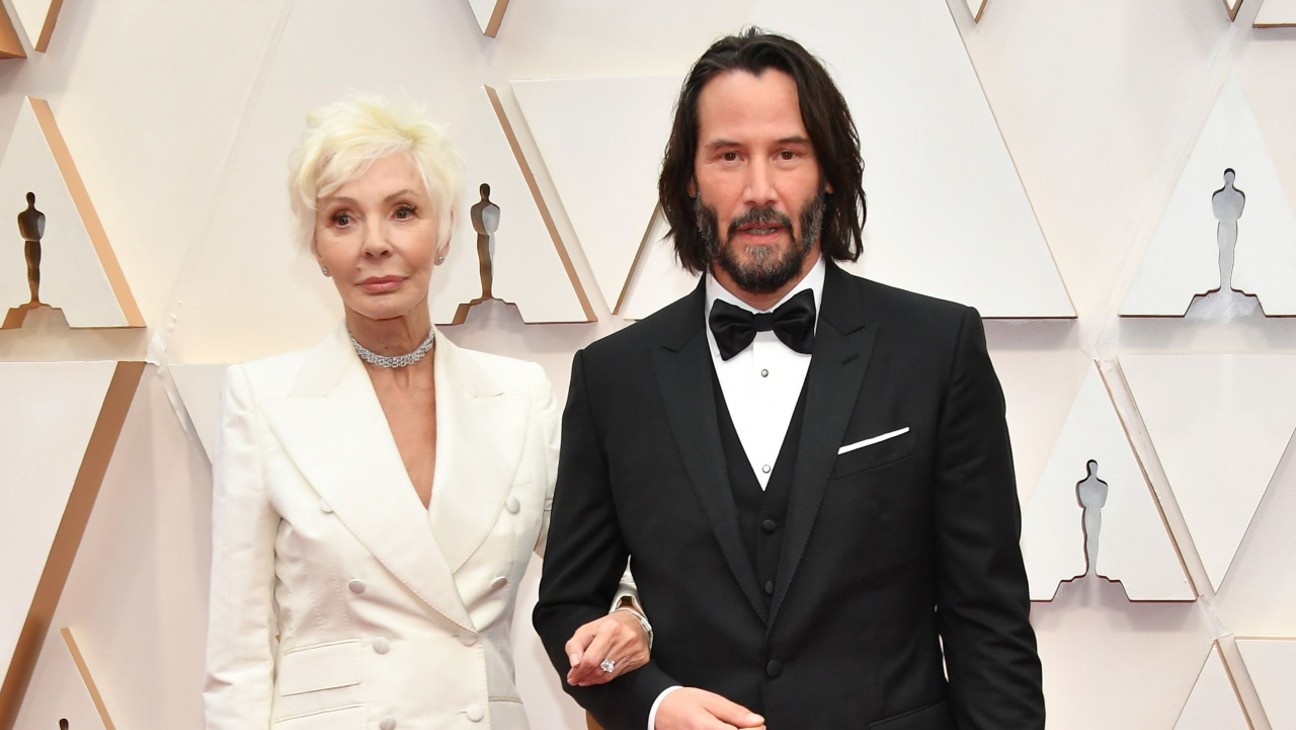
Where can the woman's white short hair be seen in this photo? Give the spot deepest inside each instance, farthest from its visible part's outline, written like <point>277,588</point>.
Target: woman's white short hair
<point>343,139</point>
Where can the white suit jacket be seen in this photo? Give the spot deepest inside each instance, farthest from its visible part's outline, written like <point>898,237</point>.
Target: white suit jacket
<point>337,600</point>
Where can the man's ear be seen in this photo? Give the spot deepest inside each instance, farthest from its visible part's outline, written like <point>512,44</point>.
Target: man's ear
<point>692,187</point>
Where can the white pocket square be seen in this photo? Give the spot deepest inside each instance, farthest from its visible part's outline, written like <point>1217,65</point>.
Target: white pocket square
<point>870,441</point>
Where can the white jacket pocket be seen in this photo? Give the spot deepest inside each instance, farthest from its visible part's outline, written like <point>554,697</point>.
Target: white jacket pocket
<point>323,666</point>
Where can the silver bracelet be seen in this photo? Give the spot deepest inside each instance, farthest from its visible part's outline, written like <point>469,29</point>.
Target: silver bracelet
<point>643,621</point>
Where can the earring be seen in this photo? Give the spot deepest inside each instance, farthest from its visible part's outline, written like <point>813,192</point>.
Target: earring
<point>324,270</point>
<point>440,260</point>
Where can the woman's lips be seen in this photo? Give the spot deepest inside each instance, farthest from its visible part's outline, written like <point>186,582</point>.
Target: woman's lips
<point>379,284</point>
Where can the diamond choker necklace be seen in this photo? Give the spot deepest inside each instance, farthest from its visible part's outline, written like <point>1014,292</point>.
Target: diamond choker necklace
<point>393,361</point>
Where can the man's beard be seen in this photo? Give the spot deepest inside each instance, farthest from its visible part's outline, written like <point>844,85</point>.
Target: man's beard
<point>768,269</point>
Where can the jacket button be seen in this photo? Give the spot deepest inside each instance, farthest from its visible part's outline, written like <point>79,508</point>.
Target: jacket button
<point>387,723</point>
<point>512,505</point>
<point>381,645</point>
<point>325,506</point>
<point>769,526</point>
<point>467,639</point>
<point>475,712</point>
<point>769,587</point>
<point>356,585</point>
<point>774,668</point>
<point>499,583</point>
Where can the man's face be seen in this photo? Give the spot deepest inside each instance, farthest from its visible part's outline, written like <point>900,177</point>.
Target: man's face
<point>759,196</point>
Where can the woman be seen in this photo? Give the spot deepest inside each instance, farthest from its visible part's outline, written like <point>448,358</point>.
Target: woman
<point>377,496</point>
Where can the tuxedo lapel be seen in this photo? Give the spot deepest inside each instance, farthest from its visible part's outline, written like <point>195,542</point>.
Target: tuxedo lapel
<point>333,428</point>
<point>683,368</point>
<point>842,347</point>
<point>481,432</point>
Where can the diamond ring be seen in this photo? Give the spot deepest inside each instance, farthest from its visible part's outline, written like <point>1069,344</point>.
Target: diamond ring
<point>608,666</point>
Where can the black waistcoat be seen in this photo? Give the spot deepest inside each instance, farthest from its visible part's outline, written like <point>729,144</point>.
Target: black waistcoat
<point>762,514</point>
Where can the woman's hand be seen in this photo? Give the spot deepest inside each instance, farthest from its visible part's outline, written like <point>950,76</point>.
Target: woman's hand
<point>606,648</point>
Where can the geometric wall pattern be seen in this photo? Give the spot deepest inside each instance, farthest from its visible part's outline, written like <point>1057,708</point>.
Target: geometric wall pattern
<point>38,18</point>
<point>10,46</point>
<point>1276,14</point>
<point>77,270</point>
<point>1121,523</point>
<point>1203,239</point>
<point>936,166</point>
<point>1111,662</point>
<point>581,125</point>
<point>1220,425</point>
<point>1213,704</point>
<point>1271,663</point>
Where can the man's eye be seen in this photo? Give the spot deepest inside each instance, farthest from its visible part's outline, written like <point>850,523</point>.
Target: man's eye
<point>729,156</point>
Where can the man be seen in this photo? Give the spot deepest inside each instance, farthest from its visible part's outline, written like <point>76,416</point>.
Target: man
<point>821,515</point>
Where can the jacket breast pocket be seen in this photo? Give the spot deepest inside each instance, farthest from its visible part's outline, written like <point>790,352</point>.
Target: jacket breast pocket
<point>323,666</point>
<point>874,451</point>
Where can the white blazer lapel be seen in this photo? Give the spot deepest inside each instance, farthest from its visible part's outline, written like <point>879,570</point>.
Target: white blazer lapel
<point>481,431</point>
<point>333,428</point>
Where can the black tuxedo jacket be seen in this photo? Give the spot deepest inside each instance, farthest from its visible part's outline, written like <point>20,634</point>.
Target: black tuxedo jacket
<point>892,552</point>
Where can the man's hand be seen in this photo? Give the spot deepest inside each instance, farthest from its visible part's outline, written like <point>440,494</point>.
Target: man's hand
<point>690,708</point>
<point>617,638</point>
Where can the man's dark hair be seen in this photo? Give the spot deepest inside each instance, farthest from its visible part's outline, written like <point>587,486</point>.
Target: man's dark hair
<point>827,120</point>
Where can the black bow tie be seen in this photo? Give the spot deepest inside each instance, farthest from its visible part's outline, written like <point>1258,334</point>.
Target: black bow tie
<point>792,322</point>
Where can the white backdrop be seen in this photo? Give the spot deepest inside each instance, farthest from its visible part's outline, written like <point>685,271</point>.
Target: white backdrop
<point>180,117</point>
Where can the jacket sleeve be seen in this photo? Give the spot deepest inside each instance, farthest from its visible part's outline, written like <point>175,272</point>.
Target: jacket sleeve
<point>585,562</point>
<point>241,623</point>
<point>983,604</point>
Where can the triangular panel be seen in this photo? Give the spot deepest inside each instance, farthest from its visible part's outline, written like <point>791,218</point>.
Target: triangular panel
<point>63,691</point>
<point>10,46</point>
<point>977,7</point>
<point>38,18</point>
<point>78,271</point>
<point>657,278</point>
<point>199,388</point>
<point>529,262</point>
<point>489,13</point>
<point>1219,424</point>
<point>1232,7</point>
<point>1276,14</point>
<point>1213,703</point>
<point>1271,664</point>
<point>947,212</point>
<point>1188,252</point>
<point>602,142</point>
<point>1133,545</point>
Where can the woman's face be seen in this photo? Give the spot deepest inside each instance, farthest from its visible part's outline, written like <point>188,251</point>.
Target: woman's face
<point>377,235</point>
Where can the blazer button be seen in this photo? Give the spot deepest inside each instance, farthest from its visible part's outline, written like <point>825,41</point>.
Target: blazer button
<point>325,506</point>
<point>381,645</point>
<point>769,526</point>
<point>356,585</point>
<point>387,723</point>
<point>769,587</point>
<point>774,668</point>
<point>499,583</point>
<point>512,505</point>
<point>475,712</point>
<point>467,639</point>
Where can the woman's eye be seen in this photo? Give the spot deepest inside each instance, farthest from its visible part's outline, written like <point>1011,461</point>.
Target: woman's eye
<point>341,219</point>
<point>405,211</point>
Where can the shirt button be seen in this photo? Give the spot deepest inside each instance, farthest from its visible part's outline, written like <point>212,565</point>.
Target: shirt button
<point>356,585</point>
<point>512,505</point>
<point>769,587</point>
<point>765,469</point>
<point>499,583</point>
<point>381,645</point>
<point>764,372</point>
<point>467,639</point>
<point>387,723</point>
<point>769,526</point>
<point>774,668</point>
<point>325,506</point>
<point>475,712</point>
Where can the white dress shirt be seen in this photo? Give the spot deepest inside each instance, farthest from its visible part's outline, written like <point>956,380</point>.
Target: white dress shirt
<point>761,386</point>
